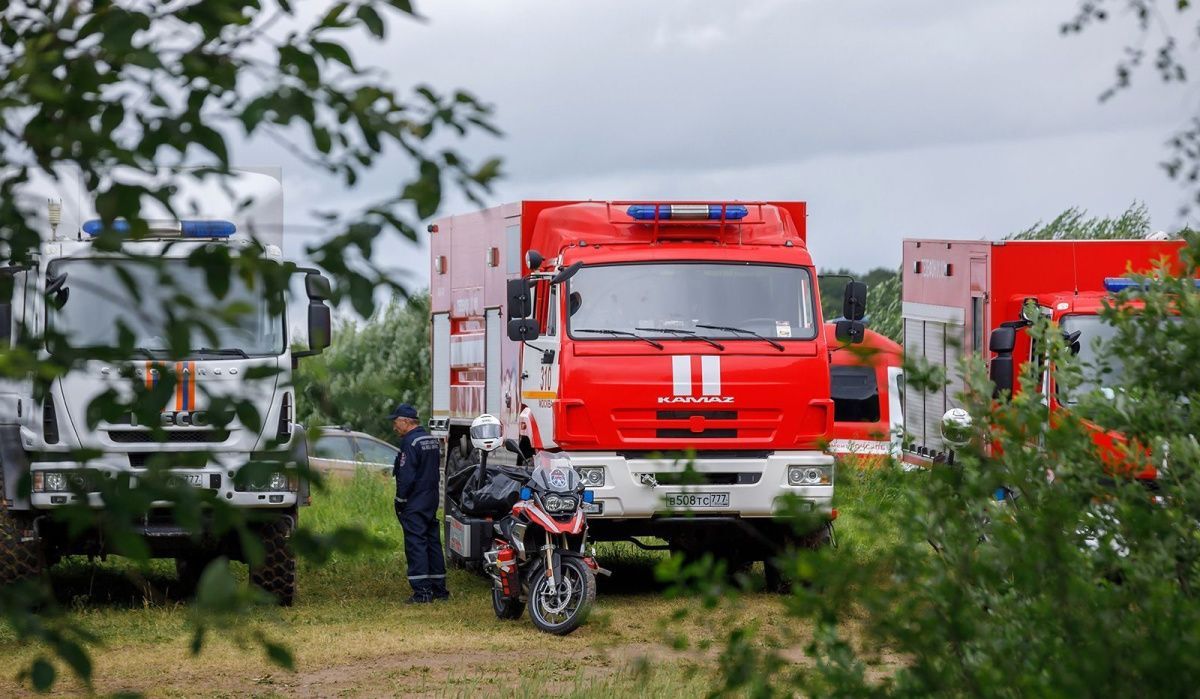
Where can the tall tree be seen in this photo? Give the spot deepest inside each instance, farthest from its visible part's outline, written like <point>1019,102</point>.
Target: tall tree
<point>142,98</point>
<point>369,369</point>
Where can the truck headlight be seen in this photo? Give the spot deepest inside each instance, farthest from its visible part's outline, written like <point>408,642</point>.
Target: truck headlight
<point>592,476</point>
<point>810,475</point>
<point>279,481</point>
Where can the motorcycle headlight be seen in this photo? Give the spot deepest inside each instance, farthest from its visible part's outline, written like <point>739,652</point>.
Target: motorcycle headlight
<point>553,503</point>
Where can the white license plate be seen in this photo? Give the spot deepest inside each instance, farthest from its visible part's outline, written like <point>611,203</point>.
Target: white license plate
<point>697,500</point>
<point>196,480</point>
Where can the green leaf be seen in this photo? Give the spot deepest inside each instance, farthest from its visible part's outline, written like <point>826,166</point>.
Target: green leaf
<point>372,20</point>
<point>42,673</point>
<point>403,6</point>
<point>279,655</point>
<point>334,52</point>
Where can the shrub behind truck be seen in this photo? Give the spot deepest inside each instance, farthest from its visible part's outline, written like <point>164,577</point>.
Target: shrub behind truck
<point>673,351</point>
<point>78,294</point>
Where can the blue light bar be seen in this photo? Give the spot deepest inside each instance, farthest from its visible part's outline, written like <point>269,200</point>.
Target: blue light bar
<point>96,226</point>
<point>589,496</point>
<point>187,229</point>
<point>207,229</point>
<point>684,212</point>
<point>1115,285</point>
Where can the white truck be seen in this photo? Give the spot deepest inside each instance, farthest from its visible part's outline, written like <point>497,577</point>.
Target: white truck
<point>76,296</point>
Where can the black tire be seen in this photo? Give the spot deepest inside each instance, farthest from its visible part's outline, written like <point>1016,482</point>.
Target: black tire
<point>505,607</point>
<point>581,597</point>
<point>277,574</point>
<point>20,558</point>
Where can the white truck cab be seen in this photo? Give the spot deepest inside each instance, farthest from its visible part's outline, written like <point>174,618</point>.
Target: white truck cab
<point>83,302</point>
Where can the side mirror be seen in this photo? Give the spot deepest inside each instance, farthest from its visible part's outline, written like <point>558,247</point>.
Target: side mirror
<point>534,260</point>
<point>1001,373</point>
<point>523,329</point>
<point>317,287</point>
<point>1003,340</point>
<point>320,326</point>
<point>1072,340</point>
<point>854,301</point>
<point>956,427</point>
<point>851,331</point>
<point>565,274</point>
<point>520,304</point>
<point>6,320</point>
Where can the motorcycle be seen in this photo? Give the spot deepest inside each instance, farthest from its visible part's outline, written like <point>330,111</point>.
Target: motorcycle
<point>538,556</point>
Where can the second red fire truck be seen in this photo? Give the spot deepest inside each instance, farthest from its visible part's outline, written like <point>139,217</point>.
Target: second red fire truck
<point>978,296</point>
<point>673,351</point>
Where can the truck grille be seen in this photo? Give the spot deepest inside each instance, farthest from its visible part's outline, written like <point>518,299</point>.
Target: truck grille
<point>686,433</point>
<point>172,437</point>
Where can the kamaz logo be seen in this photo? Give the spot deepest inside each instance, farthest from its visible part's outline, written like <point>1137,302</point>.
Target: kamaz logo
<point>182,418</point>
<point>695,399</point>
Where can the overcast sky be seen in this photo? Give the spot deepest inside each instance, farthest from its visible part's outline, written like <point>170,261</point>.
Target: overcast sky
<point>891,119</point>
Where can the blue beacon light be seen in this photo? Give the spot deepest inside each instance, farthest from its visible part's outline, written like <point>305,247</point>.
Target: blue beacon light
<point>666,212</point>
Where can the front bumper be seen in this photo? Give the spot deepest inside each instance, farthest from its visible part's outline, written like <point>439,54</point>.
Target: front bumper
<point>216,477</point>
<point>631,490</point>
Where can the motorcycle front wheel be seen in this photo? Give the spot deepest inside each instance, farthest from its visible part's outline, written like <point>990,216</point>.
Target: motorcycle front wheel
<point>560,609</point>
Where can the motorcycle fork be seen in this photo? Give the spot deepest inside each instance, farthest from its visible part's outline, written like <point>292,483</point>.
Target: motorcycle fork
<point>554,559</point>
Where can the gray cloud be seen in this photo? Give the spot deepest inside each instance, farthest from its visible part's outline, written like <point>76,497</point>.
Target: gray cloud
<point>891,118</point>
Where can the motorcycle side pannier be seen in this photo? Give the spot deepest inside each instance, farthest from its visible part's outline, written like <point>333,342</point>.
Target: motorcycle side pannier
<point>468,536</point>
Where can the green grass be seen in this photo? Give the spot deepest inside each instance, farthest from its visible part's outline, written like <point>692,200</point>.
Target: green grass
<point>352,635</point>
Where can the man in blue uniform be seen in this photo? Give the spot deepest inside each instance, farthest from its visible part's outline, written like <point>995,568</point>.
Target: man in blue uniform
<point>417,475</point>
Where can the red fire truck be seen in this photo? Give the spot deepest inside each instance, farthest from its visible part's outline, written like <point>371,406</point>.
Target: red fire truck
<point>957,293</point>
<point>866,382</point>
<point>638,338</point>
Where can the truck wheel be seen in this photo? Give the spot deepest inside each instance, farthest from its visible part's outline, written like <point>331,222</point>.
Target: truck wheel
<point>19,559</point>
<point>277,574</point>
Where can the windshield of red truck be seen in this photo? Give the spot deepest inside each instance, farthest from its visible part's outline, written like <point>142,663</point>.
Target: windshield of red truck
<point>1103,370</point>
<point>675,300</point>
<point>100,300</point>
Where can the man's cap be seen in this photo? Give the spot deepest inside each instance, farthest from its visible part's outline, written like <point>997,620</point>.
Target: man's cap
<point>404,410</point>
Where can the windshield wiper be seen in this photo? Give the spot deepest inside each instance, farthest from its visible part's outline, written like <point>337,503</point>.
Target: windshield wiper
<point>624,333</point>
<point>687,335</point>
<point>224,351</point>
<point>743,331</point>
<point>147,351</point>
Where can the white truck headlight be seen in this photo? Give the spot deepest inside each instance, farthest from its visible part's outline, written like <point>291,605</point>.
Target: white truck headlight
<point>592,476</point>
<point>810,475</point>
<point>279,481</point>
<point>55,482</point>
